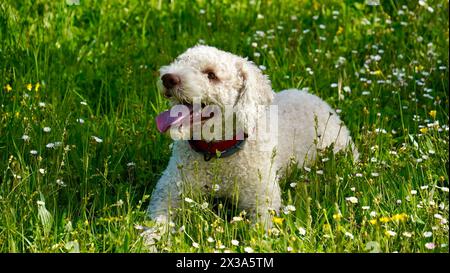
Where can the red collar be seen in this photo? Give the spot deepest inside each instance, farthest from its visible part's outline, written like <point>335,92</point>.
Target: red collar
<point>222,148</point>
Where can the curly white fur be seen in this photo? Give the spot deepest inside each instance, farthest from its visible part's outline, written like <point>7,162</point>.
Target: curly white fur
<point>252,171</point>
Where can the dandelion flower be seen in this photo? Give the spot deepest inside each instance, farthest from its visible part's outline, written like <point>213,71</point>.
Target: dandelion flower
<point>29,86</point>
<point>432,113</point>
<point>400,217</point>
<point>337,216</point>
<point>8,88</point>
<point>277,220</point>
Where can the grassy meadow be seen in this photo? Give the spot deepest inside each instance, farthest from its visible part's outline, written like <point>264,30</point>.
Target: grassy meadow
<point>80,152</point>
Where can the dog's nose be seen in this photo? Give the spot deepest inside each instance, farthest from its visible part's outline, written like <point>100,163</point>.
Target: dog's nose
<point>170,80</point>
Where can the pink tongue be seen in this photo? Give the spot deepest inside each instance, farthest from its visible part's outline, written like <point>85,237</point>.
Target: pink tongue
<point>165,120</point>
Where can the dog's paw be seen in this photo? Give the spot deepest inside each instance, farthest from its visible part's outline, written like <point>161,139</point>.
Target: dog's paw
<point>152,235</point>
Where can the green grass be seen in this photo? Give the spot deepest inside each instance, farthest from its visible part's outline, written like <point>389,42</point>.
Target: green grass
<point>98,61</point>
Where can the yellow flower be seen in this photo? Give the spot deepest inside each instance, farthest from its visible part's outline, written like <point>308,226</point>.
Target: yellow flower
<point>400,217</point>
<point>277,220</point>
<point>37,86</point>
<point>432,113</point>
<point>29,86</point>
<point>423,130</point>
<point>378,72</point>
<point>373,221</point>
<point>327,227</point>
<point>418,67</point>
<point>337,216</point>
<point>316,5</point>
<point>385,219</point>
<point>390,233</point>
<point>8,87</point>
<point>340,30</point>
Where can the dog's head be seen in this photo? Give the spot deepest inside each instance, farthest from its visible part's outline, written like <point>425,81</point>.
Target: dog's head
<point>216,78</point>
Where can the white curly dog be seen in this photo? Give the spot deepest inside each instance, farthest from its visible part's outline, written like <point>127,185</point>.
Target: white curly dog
<point>249,161</point>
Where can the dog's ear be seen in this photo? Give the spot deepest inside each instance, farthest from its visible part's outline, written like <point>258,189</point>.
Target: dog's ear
<point>256,91</point>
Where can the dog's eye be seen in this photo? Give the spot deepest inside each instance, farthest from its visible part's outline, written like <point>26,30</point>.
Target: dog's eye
<point>211,75</point>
